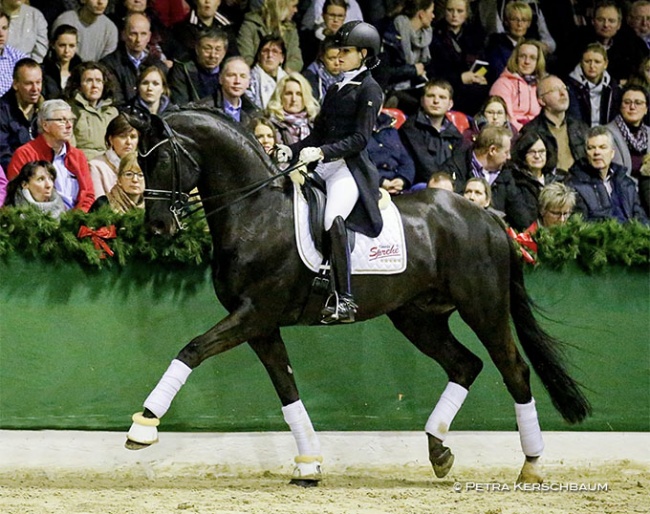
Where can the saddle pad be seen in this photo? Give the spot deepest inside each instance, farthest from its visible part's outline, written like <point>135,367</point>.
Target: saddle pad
<point>383,255</point>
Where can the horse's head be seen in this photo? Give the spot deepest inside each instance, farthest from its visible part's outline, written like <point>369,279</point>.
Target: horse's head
<point>170,171</point>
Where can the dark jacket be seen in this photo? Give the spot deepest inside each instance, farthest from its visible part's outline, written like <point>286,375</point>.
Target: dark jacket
<point>189,83</point>
<point>126,73</point>
<point>577,130</point>
<point>498,49</point>
<point>594,202</point>
<point>428,147</point>
<point>387,152</point>
<point>186,33</point>
<point>52,76</point>
<point>343,129</point>
<point>15,129</point>
<point>505,195</point>
<point>580,102</point>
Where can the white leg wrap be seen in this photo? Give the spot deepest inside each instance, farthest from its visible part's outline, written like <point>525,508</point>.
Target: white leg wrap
<point>530,434</point>
<point>298,420</point>
<point>171,382</point>
<point>445,411</point>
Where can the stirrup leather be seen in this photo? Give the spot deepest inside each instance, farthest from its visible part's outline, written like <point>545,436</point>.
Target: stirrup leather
<point>338,309</point>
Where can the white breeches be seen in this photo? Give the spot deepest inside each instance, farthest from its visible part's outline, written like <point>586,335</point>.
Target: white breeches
<point>342,190</point>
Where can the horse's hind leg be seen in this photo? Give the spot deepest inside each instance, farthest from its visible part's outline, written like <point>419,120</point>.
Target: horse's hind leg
<point>272,352</point>
<point>430,333</point>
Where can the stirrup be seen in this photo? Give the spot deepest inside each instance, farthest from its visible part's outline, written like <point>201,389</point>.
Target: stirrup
<point>338,309</point>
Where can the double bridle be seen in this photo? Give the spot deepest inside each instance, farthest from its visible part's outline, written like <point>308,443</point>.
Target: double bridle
<point>183,205</point>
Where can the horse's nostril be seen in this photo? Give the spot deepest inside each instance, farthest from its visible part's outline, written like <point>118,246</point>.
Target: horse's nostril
<point>157,228</point>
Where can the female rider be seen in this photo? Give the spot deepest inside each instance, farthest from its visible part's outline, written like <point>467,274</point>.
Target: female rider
<point>338,144</point>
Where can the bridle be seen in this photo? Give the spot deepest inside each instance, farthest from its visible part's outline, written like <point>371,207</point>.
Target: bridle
<point>183,205</point>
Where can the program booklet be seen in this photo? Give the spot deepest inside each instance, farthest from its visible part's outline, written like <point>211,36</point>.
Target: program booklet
<point>479,67</point>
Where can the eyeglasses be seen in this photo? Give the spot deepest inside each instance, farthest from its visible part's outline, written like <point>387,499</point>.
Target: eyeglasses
<point>560,214</point>
<point>559,89</point>
<point>519,20</point>
<point>272,51</point>
<point>131,175</point>
<point>635,103</point>
<point>62,121</point>
<point>540,153</point>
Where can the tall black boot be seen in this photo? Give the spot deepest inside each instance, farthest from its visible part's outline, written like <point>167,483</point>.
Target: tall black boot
<point>340,306</point>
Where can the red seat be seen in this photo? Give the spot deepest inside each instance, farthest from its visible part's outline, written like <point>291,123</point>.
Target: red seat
<point>459,119</point>
<point>399,116</point>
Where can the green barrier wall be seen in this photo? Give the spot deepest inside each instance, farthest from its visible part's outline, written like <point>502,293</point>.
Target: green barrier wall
<point>81,350</point>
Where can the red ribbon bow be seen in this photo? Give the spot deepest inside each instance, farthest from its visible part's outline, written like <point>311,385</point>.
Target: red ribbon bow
<point>525,240</point>
<point>98,237</point>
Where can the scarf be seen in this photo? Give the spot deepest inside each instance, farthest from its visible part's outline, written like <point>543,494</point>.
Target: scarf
<point>638,141</point>
<point>55,207</point>
<point>122,202</point>
<point>415,44</point>
<point>298,124</point>
<point>531,80</point>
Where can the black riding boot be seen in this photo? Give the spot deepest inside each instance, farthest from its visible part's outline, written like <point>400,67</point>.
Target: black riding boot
<point>340,306</point>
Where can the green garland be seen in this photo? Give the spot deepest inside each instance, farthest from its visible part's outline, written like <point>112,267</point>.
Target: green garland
<point>28,233</point>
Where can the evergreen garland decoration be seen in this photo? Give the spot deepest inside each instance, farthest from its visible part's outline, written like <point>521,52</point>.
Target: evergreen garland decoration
<point>30,234</point>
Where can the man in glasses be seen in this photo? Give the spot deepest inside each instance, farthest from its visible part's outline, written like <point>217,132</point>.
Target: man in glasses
<point>73,182</point>
<point>563,135</point>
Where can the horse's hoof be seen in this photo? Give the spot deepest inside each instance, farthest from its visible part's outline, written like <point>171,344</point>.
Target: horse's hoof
<point>134,445</point>
<point>143,432</point>
<point>301,482</point>
<point>442,463</point>
<point>530,473</point>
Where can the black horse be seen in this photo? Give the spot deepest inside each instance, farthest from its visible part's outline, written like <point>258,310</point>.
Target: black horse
<point>459,259</point>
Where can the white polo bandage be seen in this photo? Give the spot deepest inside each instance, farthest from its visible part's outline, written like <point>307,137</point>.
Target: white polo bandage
<point>171,382</point>
<point>298,420</point>
<point>530,434</point>
<point>445,411</point>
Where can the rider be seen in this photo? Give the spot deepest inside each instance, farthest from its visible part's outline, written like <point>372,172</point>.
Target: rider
<point>338,143</point>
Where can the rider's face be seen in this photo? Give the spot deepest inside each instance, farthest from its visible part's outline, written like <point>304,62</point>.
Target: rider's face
<point>350,58</point>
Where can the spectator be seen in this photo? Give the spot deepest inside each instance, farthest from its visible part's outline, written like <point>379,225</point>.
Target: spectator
<point>73,183</point>
<point>500,45</point>
<point>563,135</point>
<point>292,109</point>
<point>121,139</point>
<point>231,97</point>
<point>386,151</point>
<point>334,12</point>
<point>477,190</point>
<point>90,94</point>
<point>313,19</point>
<point>604,190</point>
<point>531,171</point>
<point>517,85</point>
<point>28,29</point>
<point>486,160</point>
<point>97,33</point>
<point>127,193</point>
<point>325,70</point>
<point>267,71</point>
<point>274,17</point>
<point>60,60</point>
<point>638,19</point>
<point>132,56</point>
<point>494,111</point>
<point>644,184</point>
<point>630,134</point>
<point>429,136</point>
<point>9,56</point>
<point>34,186</point>
<point>555,206</point>
<point>18,109</point>
<point>441,180</point>
<point>153,92</point>
<point>456,46</point>
<point>198,77</point>
<point>406,54</point>
<point>205,16</point>
<point>3,186</point>
<point>641,76</point>
<point>264,131</point>
<point>594,97</point>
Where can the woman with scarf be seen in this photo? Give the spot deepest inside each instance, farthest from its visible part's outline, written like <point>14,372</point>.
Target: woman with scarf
<point>457,44</point>
<point>594,97</point>
<point>292,109</point>
<point>338,144</point>
<point>517,85</point>
<point>631,139</point>
<point>324,71</point>
<point>267,71</point>
<point>406,54</point>
<point>34,186</point>
<point>127,193</point>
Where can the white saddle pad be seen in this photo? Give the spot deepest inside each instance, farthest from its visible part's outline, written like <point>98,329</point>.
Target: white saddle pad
<point>383,255</point>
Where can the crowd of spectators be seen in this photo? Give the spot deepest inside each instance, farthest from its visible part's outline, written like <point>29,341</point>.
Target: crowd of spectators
<point>531,108</point>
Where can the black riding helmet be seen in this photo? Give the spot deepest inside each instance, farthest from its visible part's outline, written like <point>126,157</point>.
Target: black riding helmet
<point>360,35</point>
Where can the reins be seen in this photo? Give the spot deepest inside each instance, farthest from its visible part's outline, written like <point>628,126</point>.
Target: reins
<point>184,205</point>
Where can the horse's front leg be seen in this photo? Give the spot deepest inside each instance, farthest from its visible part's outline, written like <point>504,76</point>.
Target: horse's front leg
<point>272,352</point>
<point>233,330</point>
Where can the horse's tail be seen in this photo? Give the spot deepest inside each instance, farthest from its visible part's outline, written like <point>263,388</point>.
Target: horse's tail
<point>544,352</point>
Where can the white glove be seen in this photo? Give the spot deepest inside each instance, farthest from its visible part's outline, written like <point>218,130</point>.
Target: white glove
<point>310,154</point>
<point>283,154</point>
